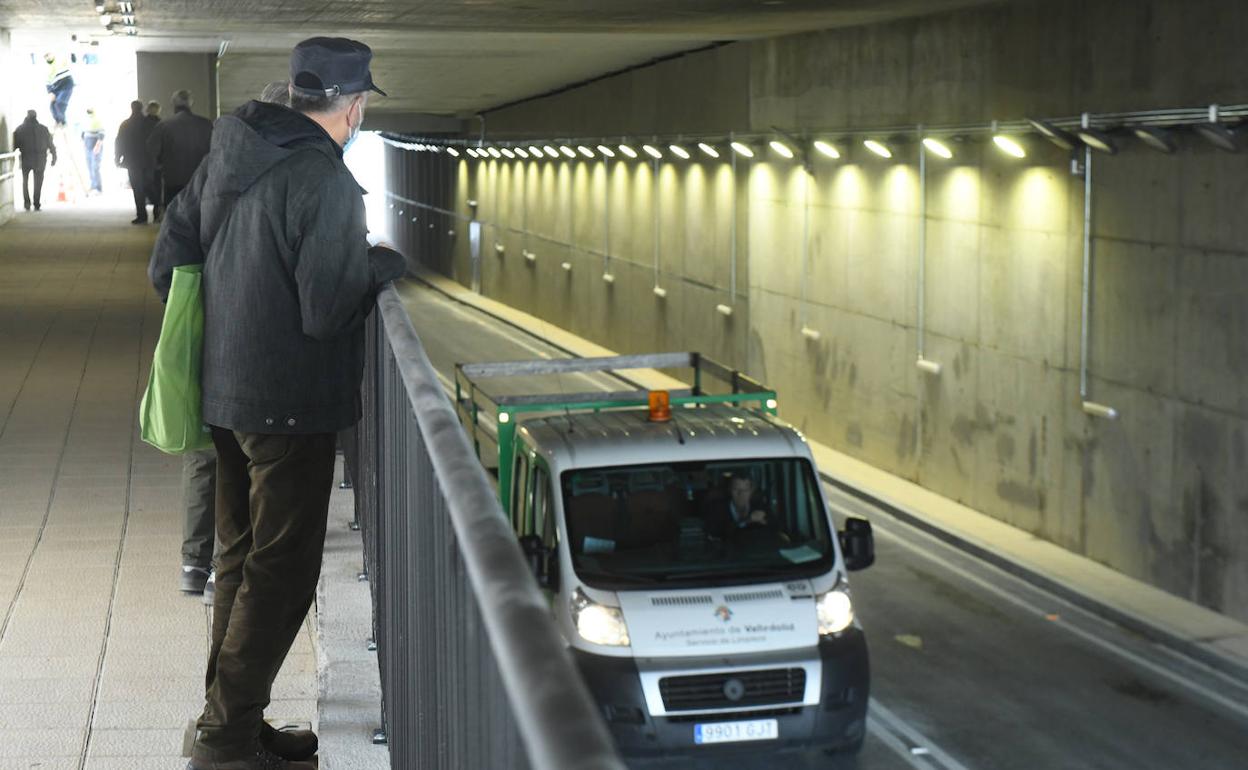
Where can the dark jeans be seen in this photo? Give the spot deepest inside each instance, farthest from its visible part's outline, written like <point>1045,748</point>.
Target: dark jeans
<point>26,172</point>
<point>272,505</point>
<point>138,185</point>
<point>61,103</point>
<point>199,500</point>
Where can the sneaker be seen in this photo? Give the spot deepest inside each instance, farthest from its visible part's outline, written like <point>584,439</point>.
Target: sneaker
<point>288,743</point>
<point>194,578</point>
<point>139,221</point>
<point>261,760</point>
<point>210,588</point>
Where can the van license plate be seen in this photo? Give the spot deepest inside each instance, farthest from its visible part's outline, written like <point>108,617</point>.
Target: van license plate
<point>732,732</point>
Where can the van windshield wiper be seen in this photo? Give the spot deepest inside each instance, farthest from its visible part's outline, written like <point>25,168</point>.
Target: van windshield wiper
<point>731,573</point>
<point>616,576</point>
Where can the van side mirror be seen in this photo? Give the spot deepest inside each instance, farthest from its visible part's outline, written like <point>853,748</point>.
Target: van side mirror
<point>542,561</point>
<point>857,544</point>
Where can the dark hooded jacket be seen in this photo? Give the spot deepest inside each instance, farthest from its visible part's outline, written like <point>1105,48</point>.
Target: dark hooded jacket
<point>278,222</point>
<point>33,140</point>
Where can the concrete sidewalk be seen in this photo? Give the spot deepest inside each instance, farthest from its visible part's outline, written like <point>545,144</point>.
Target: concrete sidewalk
<point>101,658</point>
<point>1209,637</point>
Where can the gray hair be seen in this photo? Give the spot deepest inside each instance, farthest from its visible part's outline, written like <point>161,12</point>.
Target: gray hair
<point>319,103</point>
<point>277,92</point>
<point>182,98</point>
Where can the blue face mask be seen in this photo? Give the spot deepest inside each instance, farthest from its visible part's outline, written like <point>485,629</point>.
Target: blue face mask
<point>353,135</point>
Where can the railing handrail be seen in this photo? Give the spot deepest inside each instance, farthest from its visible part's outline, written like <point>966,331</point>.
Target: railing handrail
<point>557,718</point>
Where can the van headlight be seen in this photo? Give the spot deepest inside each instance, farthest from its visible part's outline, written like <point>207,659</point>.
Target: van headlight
<point>835,611</point>
<point>598,623</point>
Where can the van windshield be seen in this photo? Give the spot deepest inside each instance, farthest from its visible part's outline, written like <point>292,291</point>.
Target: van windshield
<point>696,523</point>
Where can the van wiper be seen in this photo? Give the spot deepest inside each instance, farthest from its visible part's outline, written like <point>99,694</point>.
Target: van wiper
<point>615,576</point>
<point>731,573</point>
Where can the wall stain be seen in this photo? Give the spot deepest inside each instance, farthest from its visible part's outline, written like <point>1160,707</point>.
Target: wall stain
<point>964,428</point>
<point>1032,459</point>
<point>853,374</point>
<point>853,434</point>
<point>1005,448</point>
<point>1021,494</point>
<point>906,438</point>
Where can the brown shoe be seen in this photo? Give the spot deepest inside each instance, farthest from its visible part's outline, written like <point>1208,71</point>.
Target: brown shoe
<point>261,760</point>
<point>288,744</point>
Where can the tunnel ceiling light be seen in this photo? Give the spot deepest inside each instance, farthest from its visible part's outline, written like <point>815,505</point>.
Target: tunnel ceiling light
<point>1058,136</point>
<point>1009,146</point>
<point>652,151</point>
<point>523,153</point>
<point>1098,140</point>
<point>679,151</point>
<point>494,153</point>
<point>878,148</point>
<point>509,153</point>
<point>629,151</point>
<point>1219,135</point>
<point>471,152</point>
<point>588,153</point>
<point>708,150</point>
<point>606,151</point>
<point>781,149</point>
<point>827,150</point>
<point>106,20</point>
<point>937,147</point>
<point>454,153</point>
<point>743,149</point>
<point>1160,139</point>
<point>550,151</point>
<point>566,150</point>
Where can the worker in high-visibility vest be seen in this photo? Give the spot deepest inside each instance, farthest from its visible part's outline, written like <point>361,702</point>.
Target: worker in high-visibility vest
<point>93,143</point>
<point>60,86</point>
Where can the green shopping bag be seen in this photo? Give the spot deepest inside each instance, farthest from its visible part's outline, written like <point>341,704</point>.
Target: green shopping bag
<point>171,414</point>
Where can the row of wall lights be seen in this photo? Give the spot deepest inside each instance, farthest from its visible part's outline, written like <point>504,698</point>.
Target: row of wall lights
<point>1223,128</point>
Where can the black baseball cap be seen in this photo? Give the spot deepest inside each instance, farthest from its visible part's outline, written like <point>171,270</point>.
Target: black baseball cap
<point>330,66</point>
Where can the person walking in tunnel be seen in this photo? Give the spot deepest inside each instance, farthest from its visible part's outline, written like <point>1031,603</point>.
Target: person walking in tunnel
<point>34,141</point>
<point>93,144</point>
<point>179,144</point>
<point>60,87</point>
<point>131,150</point>
<point>277,221</point>
<point>153,183</point>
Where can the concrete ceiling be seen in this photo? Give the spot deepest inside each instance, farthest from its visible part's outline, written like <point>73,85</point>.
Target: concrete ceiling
<point>453,57</point>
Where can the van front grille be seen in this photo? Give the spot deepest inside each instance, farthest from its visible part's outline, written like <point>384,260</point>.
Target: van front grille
<point>733,689</point>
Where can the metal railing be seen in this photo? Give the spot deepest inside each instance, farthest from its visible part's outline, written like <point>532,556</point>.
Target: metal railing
<point>474,673</point>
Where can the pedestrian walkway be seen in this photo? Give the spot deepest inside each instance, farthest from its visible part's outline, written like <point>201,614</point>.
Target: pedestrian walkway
<point>101,658</point>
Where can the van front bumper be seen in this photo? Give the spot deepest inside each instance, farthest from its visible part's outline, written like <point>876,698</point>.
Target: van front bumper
<point>837,722</point>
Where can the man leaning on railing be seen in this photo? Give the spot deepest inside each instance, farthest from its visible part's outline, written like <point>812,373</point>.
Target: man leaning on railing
<point>278,222</point>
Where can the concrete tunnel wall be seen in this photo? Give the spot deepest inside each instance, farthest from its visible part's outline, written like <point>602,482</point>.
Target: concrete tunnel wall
<point>1159,494</point>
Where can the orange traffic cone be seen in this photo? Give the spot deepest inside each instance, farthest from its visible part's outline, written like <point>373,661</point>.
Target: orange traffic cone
<point>60,192</point>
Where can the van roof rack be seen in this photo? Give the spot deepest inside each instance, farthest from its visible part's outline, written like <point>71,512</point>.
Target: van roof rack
<point>492,418</point>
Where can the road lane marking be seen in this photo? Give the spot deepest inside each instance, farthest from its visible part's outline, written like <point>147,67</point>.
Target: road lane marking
<point>918,750</point>
<point>1236,707</point>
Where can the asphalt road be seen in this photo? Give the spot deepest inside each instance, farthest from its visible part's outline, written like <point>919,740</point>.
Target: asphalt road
<point>972,668</point>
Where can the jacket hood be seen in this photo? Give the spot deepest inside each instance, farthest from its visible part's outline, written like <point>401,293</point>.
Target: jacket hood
<point>257,137</point>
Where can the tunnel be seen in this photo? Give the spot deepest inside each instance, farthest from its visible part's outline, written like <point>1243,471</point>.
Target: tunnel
<point>811,383</point>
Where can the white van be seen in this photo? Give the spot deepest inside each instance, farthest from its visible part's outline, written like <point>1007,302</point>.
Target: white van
<point>692,564</point>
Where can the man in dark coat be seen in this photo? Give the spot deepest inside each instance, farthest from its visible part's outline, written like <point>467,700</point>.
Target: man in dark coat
<point>33,140</point>
<point>277,221</point>
<point>179,144</point>
<point>154,186</point>
<point>131,149</point>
